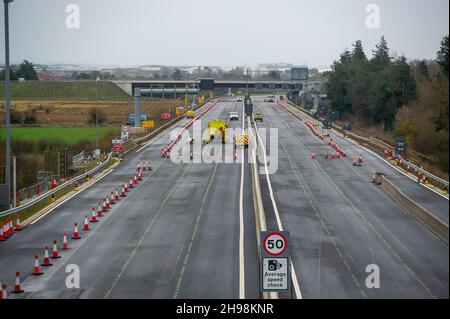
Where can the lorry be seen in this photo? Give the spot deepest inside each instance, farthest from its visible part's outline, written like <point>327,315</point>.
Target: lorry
<point>215,127</point>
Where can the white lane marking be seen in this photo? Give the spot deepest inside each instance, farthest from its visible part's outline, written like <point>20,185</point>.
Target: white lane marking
<point>373,153</point>
<point>298,293</point>
<point>400,171</point>
<point>70,197</point>
<point>144,235</point>
<point>241,223</point>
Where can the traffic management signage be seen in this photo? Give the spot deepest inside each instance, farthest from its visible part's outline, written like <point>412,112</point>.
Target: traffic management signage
<point>275,261</point>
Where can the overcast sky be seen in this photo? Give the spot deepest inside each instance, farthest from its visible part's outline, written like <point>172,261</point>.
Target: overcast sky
<point>212,32</point>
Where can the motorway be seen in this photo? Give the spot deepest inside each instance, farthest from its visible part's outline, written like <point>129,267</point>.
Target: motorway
<point>340,222</point>
<point>188,229</point>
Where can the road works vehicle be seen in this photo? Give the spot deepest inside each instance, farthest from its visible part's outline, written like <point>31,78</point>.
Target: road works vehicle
<point>258,117</point>
<point>215,127</point>
<point>190,114</point>
<point>240,139</point>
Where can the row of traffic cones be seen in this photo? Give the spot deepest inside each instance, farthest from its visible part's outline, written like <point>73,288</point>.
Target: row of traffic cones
<point>8,229</point>
<point>103,206</point>
<point>144,167</point>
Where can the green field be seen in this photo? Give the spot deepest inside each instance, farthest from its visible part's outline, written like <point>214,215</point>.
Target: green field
<point>70,135</point>
<point>71,90</point>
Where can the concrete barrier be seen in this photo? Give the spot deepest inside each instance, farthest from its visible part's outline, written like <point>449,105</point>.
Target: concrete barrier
<point>428,219</point>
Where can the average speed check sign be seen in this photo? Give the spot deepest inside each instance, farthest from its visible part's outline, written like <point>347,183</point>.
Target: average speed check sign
<point>275,243</point>
<point>275,261</point>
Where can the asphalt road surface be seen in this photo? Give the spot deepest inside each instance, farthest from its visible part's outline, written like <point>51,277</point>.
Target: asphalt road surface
<point>340,222</point>
<point>188,229</point>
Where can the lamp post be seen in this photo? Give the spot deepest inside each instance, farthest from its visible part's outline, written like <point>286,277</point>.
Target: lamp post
<point>7,100</point>
<point>96,113</point>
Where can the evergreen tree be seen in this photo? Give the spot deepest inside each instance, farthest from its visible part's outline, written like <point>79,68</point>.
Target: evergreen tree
<point>26,71</point>
<point>442,55</point>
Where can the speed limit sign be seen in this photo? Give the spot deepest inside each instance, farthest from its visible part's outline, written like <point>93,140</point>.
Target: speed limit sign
<point>275,243</point>
<point>275,261</point>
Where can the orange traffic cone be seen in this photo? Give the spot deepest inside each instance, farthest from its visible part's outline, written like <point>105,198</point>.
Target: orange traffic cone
<point>46,262</point>
<point>123,192</point>
<point>313,156</point>
<point>4,291</point>
<point>55,253</point>
<point>116,196</point>
<point>76,235</point>
<point>65,245</point>
<point>104,209</point>
<point>131,183</point>
<point>94,215</point>
<point>99,210</point>
<point>386,153</point>
<point>18,225</point>
<point>36,269</point>
<point>126,187</point>
<point>138,166</point>
<point>17,288</point>
<point>354,162</point>
<point>107,202</point>
<point>135,180</point>
<point>86,223</point>
<point>111,198</point>
<point>2,235</point>
<point>54,183</point>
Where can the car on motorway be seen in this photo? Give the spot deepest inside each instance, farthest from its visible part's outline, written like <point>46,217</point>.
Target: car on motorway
<point>258,117</point>
<point>238,99</point>
<point>234,116</point>
<point>271,98</point>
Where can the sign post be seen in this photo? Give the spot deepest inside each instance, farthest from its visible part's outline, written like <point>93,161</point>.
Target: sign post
<point>275,261</point>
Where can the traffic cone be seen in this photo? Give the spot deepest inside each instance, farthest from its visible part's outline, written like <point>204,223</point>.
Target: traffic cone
<point>107,202</point>
<point>75,235</point>
<point>18,225</point>
<point>360,159</point>
<point>55,253</point>
<point>2,235</point>
<point>135,180</point>
<point>138,166</point>
<point>116,196</point>
<point>111,199</point>
<point>354,162</point>
<point>126,187</point>
<point>86,223</point>
<point>131,183</point>
<point>150,166</point>
<point>313,156</point>
<point>11,227</point>
<point>144,167</point>
<point>65,245</point>
<point>332,154</point>
<point>99,210</point>
<point>104,209</point>
<point>123,192</point>
<point>140,176</point>
<point>36,269</point>
<point>54,183</point>
<point>386,153</point>
<point>94,216</point>
<point>424,179</point>
<point>4,291</point>
<point>17,288</point>
<point>46,262</point>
